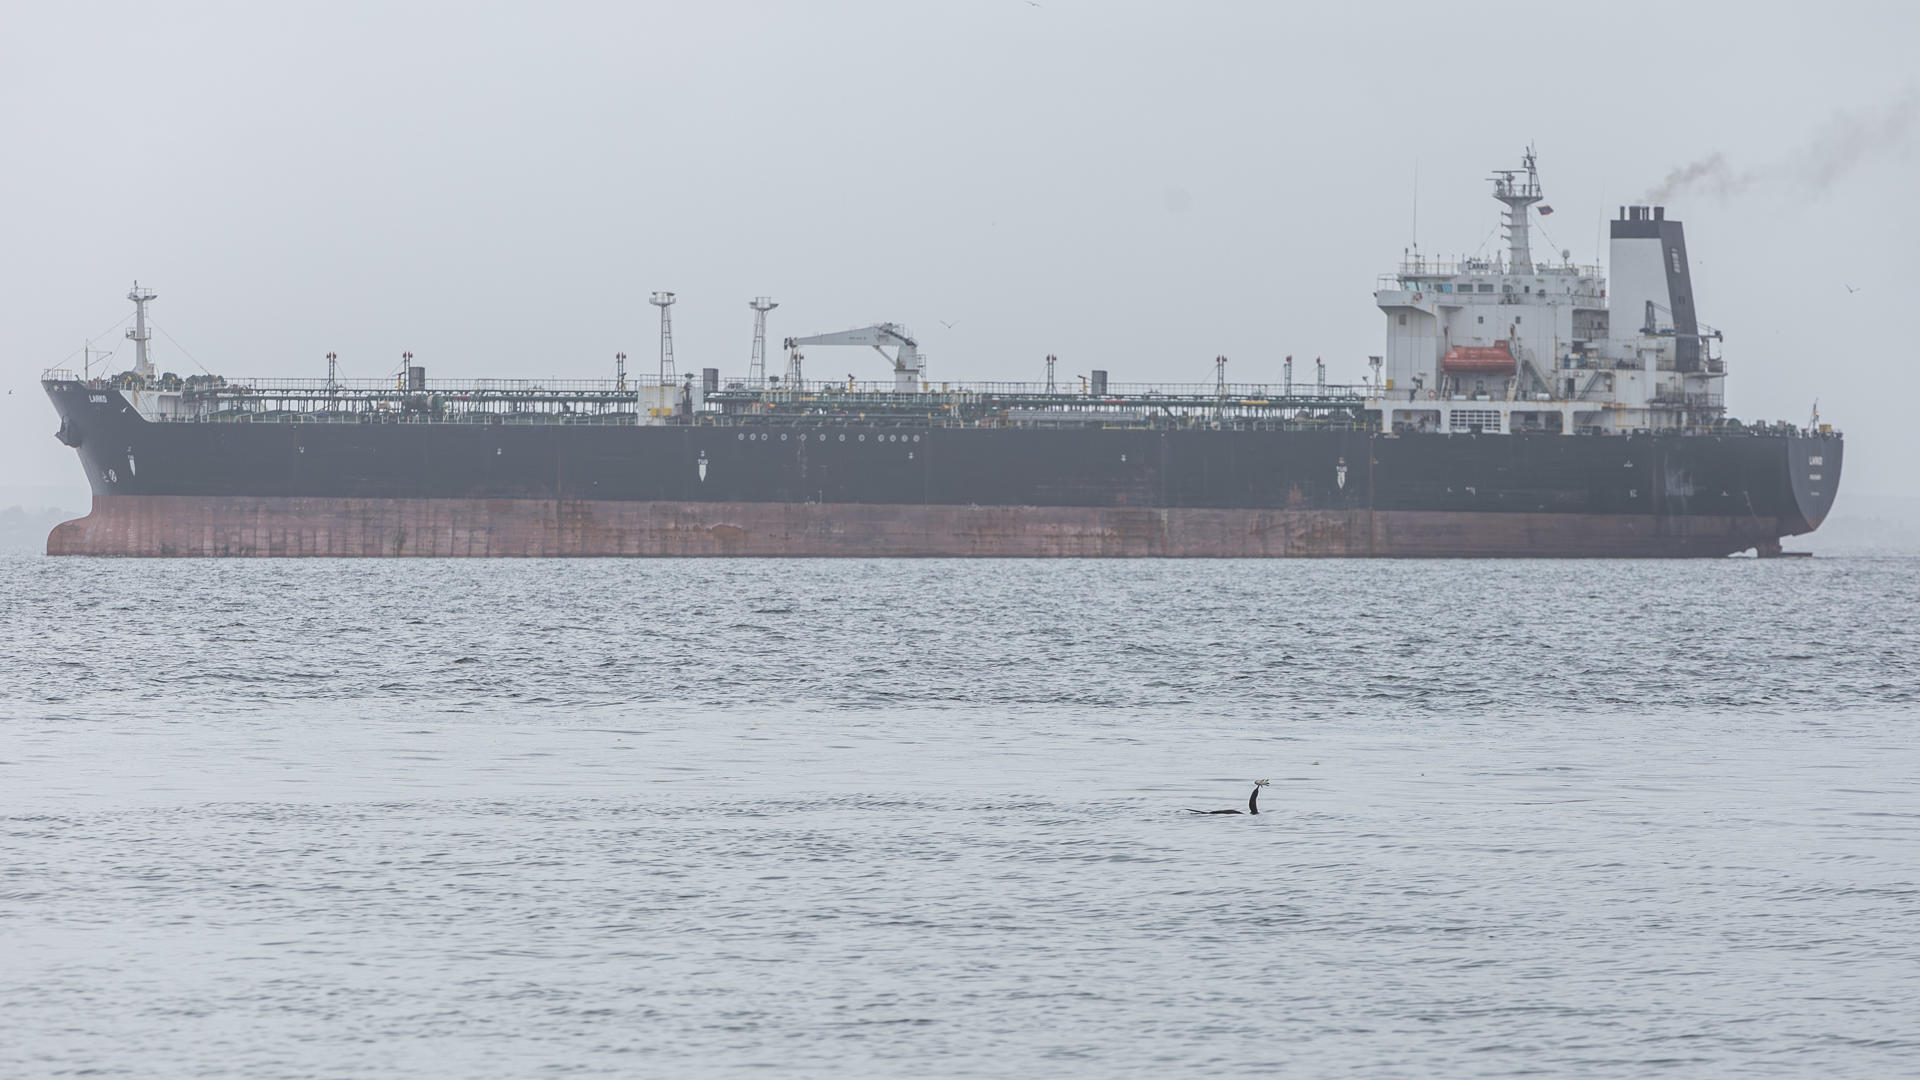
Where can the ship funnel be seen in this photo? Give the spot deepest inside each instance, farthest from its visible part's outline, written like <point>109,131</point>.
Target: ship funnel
<point>1650,272</point>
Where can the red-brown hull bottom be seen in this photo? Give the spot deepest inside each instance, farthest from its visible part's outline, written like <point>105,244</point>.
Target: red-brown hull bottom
<point>211,526</point>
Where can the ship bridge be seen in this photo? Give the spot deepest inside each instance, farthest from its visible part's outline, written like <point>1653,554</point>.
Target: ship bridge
<point>1510,344</point>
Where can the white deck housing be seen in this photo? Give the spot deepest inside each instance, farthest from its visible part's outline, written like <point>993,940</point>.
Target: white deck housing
<point>1580,360</point>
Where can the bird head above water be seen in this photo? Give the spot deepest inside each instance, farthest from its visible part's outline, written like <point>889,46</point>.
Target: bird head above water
<point>1253,802</point>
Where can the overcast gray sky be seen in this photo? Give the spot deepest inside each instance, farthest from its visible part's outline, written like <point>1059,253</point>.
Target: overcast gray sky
<point>1134,186</point>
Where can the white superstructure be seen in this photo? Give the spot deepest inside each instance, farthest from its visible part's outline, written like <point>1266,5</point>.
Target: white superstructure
<point>1510,345</point>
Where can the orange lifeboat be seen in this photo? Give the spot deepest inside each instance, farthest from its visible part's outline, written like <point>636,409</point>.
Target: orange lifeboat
<point>1478,360</point>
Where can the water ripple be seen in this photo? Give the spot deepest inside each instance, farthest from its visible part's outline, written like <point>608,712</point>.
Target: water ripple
<point>850,818</point>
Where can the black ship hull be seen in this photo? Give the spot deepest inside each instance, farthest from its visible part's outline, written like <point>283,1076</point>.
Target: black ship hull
<point>851,488</point>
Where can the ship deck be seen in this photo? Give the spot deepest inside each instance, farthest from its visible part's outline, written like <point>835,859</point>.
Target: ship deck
<point>1159,406</point>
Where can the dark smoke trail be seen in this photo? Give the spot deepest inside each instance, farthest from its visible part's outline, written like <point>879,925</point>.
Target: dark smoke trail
<point>1850,140</point>
<point>1711,173</point>
<point>1847,141</point>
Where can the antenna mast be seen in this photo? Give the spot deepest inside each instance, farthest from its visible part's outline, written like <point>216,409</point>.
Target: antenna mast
<point>757,366</point>
<point>1416,206</point>
<point>664,301</point>
<point>1518,195</point>
<point>139,333</point>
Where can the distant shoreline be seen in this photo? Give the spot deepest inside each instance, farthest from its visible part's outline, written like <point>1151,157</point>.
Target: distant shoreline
<point>24,530</point>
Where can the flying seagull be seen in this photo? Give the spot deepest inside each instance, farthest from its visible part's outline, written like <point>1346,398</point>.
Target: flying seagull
<point>1253,803</point>
<point>946,324</point>
<point>1850,288</point>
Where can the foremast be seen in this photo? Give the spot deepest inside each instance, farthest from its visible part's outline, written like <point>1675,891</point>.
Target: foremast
<point>138,332</point>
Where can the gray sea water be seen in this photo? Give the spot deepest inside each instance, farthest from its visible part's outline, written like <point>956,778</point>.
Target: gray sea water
<point>873,819</point>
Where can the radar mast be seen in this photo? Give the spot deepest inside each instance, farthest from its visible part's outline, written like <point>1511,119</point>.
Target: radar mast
<point>1518,194</point>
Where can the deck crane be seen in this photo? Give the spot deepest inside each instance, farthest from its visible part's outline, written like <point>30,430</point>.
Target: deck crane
<point>908,365</point>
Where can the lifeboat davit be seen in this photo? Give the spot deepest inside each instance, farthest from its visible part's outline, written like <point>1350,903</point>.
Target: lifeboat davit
<point>1478,360</point>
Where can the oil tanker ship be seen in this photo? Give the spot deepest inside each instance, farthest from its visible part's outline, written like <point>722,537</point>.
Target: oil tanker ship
<point>1520,409</point>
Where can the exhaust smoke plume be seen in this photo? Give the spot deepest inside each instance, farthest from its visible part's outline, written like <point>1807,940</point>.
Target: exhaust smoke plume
<point>1848,140</point>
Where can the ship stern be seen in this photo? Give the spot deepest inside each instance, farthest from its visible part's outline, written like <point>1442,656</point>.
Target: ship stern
<point>1813,473</point>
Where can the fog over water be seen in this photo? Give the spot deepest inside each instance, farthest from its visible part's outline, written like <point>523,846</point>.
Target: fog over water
<point>1135,187</point>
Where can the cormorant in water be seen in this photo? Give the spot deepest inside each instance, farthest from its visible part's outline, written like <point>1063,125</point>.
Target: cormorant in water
<point>1253,803</point>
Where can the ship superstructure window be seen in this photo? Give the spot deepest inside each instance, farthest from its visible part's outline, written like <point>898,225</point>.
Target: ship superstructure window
<point>1403,319</point>
<point>1486,288</point>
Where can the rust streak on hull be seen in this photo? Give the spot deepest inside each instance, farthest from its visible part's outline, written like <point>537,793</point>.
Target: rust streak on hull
<point>221,526</point>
